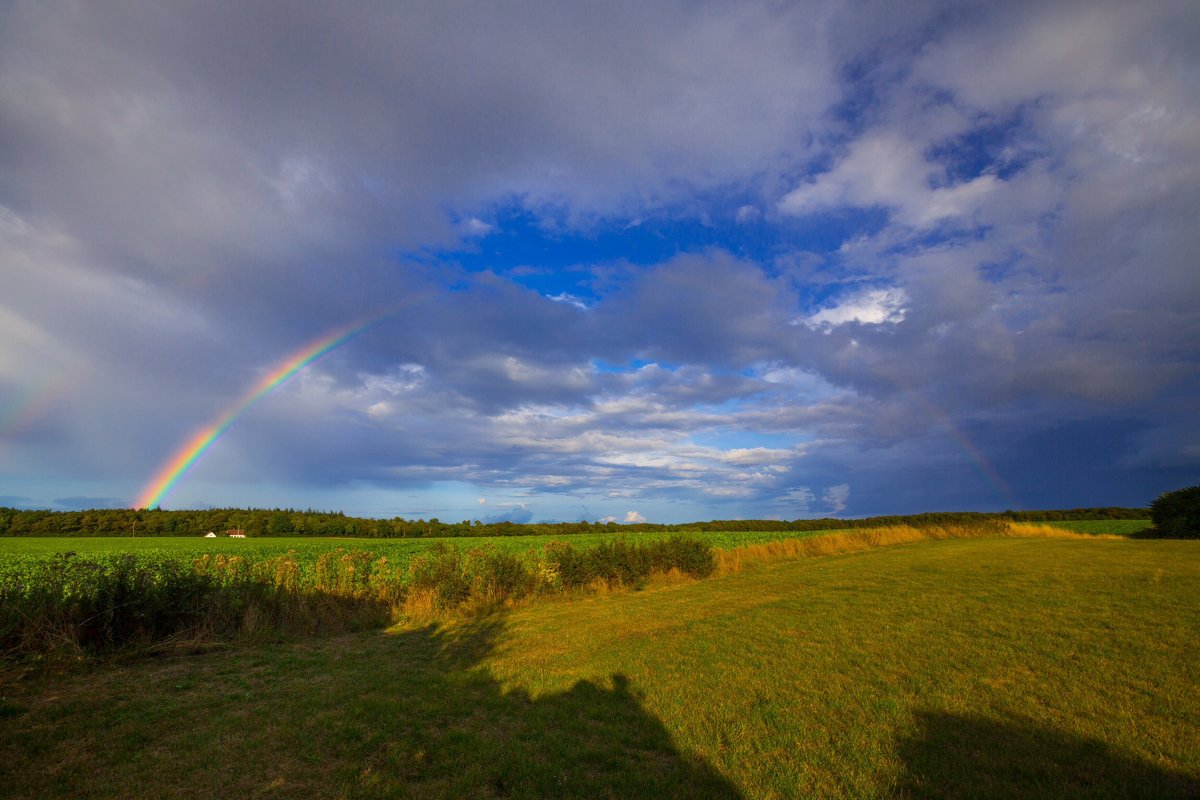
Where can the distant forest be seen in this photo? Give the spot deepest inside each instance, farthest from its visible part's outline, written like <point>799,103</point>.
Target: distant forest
<point>288,522</point>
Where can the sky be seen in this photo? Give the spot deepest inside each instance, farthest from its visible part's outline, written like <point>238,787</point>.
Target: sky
<point>626,261</point>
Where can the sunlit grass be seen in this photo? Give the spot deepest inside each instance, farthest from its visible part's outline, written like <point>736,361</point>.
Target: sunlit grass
<point>836,543</point>
<point>974,667</point>
<point>1121,527</point>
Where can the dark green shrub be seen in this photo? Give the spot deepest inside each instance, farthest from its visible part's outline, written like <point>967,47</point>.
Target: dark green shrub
<point>110,604</point>
<point>102,605</point>
<point>441,570</point>
<point>1177,514</point>
<point>499,576</point>
<point>692,556</point>
<point>621,563</point>
<point>563,560</point>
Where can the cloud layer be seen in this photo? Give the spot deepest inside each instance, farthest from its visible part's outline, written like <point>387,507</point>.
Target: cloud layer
<point>647,261</point>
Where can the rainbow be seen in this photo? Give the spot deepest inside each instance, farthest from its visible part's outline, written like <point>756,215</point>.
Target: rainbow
<point>32,404</point>
<point>972,452</point>
<point>202,440</point>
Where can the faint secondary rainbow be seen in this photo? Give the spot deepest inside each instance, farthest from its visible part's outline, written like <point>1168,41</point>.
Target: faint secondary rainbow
<point>985,467</point>
<point>200,442</point>
<point>28,406</point>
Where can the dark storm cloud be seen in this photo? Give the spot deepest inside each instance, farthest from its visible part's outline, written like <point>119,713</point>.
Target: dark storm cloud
<point>980,218</point>
<point>271,108</point>
<point>708,308</point>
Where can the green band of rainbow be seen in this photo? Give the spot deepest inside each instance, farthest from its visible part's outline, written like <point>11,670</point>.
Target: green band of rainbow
<point>201,441</point>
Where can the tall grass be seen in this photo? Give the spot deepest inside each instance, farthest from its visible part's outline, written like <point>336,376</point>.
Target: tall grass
<point>736,558</point>
<point>75,606</point>
<point>67,604</point>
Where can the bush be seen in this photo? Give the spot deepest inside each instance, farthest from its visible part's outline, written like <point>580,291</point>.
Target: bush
<point>499,576</point>
<point>443,572</point>
<point>620,563</point>
<point>101,605</point>
<point>1177,514</point>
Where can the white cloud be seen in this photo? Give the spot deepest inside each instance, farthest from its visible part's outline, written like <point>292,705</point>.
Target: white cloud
<point>1041,51</point>
<point>800,496</point>
<point>754,456</point>
<point>885,169</point>
<point>380,410</point>
<point>569,299</point>
<point>473,227</point>
<point>870,307</point>
<point>526,371</point>
<point>836,496</point>
<point>746,214</point>
<point>633,516</point>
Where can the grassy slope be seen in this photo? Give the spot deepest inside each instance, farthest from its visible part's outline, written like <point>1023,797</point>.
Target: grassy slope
<point>1121,527</point>
<point>1051,668</point>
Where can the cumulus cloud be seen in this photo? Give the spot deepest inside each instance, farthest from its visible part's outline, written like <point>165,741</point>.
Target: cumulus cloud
<point>517,514</point>
<point>767,252</point>
<point>835,497</point>
<point>871,307</point>
<point>885,170</point>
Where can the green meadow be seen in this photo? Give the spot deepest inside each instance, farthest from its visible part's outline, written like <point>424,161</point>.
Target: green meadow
<point>991,667</point>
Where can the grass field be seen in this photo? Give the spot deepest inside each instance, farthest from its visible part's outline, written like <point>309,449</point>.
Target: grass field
<point>961,668</point>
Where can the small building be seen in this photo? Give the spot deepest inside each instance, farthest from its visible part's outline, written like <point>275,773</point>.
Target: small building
<point>210,535</point>
<point>235,533</point>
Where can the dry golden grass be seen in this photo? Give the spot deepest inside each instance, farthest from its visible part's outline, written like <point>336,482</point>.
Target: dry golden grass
<point>735,559</point>
<point>420,605</point>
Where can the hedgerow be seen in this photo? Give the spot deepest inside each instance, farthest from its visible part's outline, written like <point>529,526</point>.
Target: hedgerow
<point>103,605</point>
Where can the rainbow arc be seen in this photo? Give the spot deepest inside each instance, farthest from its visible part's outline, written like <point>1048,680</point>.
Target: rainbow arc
<point>171,472</point>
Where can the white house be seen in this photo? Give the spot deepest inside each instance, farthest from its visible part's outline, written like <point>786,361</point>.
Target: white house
<point>210,535</point>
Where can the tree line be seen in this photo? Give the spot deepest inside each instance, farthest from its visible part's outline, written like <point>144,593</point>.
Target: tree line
<point>291,522</point>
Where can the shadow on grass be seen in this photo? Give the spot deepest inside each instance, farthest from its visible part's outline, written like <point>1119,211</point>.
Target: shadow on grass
<point>415,713</point>
<point>594,739</point>
<point>969,757</point>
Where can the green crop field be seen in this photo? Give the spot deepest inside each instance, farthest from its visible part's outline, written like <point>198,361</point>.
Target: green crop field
<point>399,551</point>
<point>402,550</point>
<point>961,668</point>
